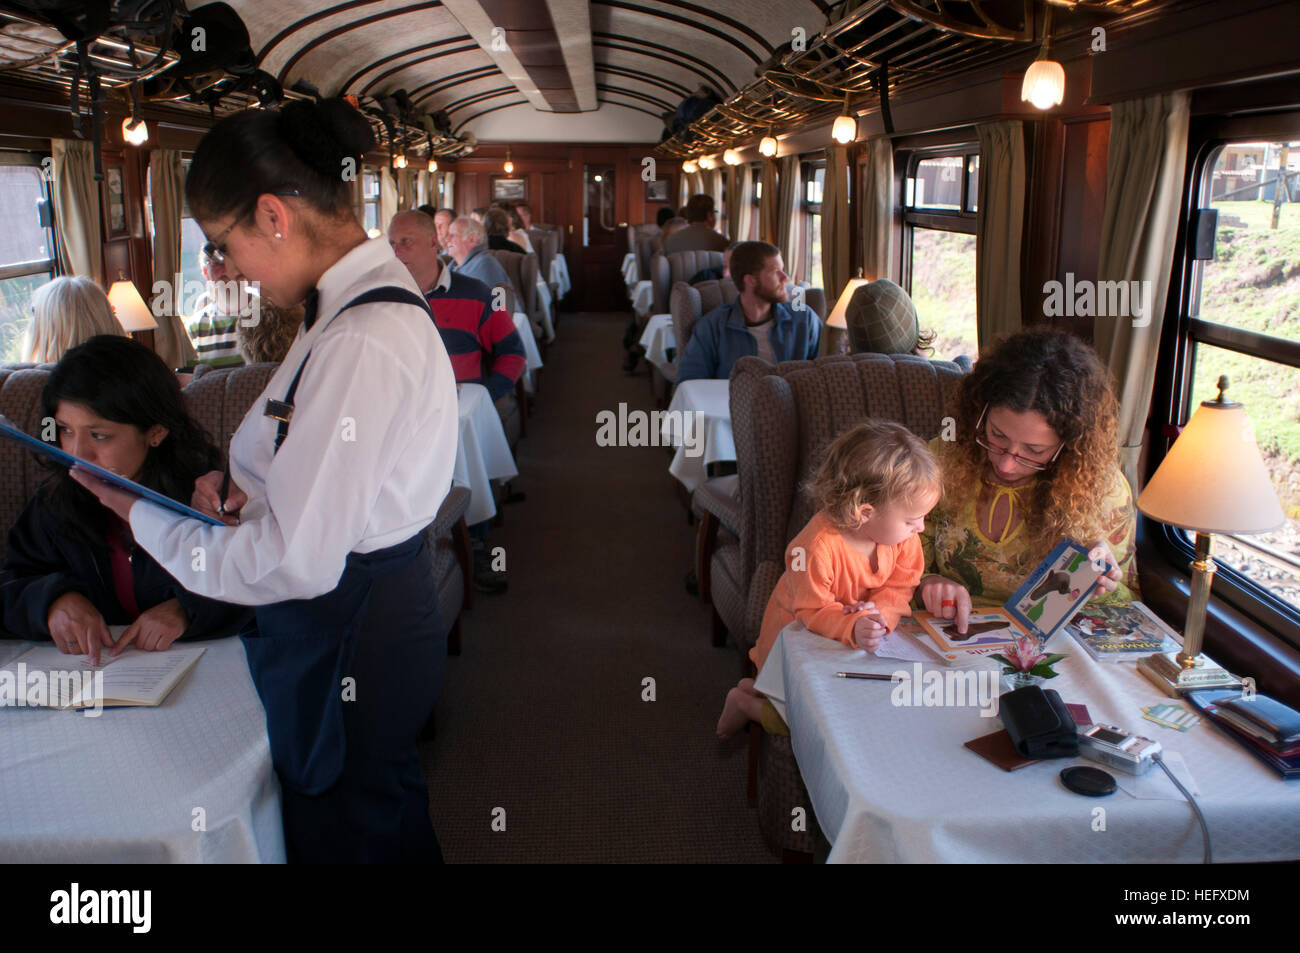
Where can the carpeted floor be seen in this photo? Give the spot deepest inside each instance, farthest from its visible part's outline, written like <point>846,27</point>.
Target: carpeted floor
<point>542,715</point>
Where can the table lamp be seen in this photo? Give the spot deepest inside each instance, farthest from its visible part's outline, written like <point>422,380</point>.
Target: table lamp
<point>131,311</point>
<point>838,318</point>
<point>1211,481</point>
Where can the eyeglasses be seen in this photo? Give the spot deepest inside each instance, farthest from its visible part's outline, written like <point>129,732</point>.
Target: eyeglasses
<point>987,444</point>
<point>216,248</point>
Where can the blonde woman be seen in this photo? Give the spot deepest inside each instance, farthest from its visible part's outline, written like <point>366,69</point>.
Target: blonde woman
<point>68,311</point>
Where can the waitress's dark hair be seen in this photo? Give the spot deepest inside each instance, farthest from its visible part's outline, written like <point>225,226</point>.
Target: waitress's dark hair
<point>123,381</point>
<point>302,147</point>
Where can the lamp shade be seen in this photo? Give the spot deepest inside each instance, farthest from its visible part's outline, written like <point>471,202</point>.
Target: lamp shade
<point>837,318</point>
<point>845,129</point>
<point>767,146</point>
<point>1213,480</point>
<point>690,167</point>
<point>1044,84</point>
<point>131,311</point>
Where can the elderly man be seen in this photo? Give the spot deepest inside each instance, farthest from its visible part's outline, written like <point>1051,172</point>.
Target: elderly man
<point>477,337</point>
<point>759,323</point>
<point>467,243</point>
<point>699,233</point>
<point>482,343</point>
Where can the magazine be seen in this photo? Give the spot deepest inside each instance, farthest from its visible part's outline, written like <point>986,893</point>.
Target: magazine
<point>1119,633</point>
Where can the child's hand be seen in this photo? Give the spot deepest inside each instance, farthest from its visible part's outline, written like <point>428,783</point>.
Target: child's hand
<point>852,607</point>
<point>868,631</point>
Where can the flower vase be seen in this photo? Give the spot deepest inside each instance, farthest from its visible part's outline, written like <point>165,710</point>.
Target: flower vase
<point>1013,680</point>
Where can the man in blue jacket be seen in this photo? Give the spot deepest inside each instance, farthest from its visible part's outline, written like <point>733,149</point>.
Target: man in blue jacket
<point>759,323</point>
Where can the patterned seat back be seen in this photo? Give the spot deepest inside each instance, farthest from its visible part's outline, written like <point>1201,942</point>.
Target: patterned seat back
<point>783,418</point>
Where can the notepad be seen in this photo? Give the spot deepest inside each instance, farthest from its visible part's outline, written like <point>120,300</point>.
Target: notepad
<point>46,678</point>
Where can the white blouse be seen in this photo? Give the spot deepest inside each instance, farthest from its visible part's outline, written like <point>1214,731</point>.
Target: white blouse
<point>367,462</point>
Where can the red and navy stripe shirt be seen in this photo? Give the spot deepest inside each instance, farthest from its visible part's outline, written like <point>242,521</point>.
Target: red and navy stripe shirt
<point>483,344</point>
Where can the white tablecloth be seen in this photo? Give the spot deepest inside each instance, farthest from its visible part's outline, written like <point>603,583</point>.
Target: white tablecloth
<point>483,453</point>
<point>123,787</point>
<point>544,301</point>
<point>643,297</point>
<point>532,356</point>
<point>559,276</point>
<point>708,403</point>
<point>657,338</point>
<point>891,783</point>
<point>631,272</point>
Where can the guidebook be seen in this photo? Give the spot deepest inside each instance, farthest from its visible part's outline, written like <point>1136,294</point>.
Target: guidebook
<point>44,677</point>
<point>1119,633</point>
<point>52,452</point>
<point>1046,601</point>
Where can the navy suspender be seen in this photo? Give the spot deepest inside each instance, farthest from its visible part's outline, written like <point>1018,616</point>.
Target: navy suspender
<point>282,410</point>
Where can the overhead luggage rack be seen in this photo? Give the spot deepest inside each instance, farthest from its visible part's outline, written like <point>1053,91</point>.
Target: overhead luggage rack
<point>900,44</point>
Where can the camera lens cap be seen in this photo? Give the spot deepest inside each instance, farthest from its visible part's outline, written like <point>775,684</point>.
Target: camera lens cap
<point>1090,782</point>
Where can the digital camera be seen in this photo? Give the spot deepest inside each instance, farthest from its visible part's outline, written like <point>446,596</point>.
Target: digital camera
<point>1117,748</point>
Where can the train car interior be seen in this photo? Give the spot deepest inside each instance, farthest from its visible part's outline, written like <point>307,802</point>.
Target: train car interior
<point>878,430</point>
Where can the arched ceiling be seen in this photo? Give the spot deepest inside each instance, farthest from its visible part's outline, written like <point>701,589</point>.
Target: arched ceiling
<point>528,70</point>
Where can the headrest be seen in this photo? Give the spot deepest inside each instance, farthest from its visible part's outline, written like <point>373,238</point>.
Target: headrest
<point>882,319</point>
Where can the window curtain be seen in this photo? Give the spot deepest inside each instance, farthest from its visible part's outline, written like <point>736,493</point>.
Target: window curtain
<point>767,205</point>
<point>170,340</point>
<point>358,190</point>
<point>78,244</point>
<point>713,187</point>
<point>405,189</point>
<point>836,219</point>
<point>387,197</point>
<point>877,210</point>
<point>999,224</point>
<point>1144,187</point>
<point>789,223</point>
<point>422,178</point>
<point>683,191</point>
<point>449,190</point>
<point>741,214</point>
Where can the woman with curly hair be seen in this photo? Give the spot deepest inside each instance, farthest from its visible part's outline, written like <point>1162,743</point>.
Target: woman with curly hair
<point>1035,459</point>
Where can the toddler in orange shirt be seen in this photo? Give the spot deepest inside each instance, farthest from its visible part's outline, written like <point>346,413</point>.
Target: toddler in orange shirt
<point>851,571</point>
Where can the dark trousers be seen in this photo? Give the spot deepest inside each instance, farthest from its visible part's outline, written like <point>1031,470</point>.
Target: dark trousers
<point>378,809</point>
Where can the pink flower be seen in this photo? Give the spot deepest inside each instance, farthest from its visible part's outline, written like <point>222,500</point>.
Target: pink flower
<point>1026,653</point>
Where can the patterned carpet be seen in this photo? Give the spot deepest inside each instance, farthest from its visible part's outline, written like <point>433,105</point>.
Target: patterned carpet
<point>542,716</point>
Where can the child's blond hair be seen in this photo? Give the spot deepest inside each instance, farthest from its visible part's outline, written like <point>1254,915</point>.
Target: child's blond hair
<point>876,462</point>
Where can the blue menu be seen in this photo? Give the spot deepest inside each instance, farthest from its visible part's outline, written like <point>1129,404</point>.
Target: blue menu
<point>52,452</point>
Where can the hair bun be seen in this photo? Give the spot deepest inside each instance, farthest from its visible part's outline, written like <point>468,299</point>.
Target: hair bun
<point>324,133</point>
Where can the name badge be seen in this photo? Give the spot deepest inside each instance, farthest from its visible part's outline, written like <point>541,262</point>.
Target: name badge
<point>278,410</point>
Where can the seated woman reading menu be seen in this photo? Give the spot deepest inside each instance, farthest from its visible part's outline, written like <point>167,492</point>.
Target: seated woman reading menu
<point>1035,458</point>
<point>72,568</point>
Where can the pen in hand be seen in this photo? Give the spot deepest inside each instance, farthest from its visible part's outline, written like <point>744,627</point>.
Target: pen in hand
<point>874,676</point>
<point>225,490</point>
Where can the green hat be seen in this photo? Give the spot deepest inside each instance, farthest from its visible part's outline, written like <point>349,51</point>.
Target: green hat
<point>882,318</point>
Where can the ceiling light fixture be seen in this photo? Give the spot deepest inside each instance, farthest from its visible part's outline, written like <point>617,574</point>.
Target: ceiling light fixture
<point>690,167</point>
<point>731,157</point>
<point>1044,83</point>
<point>845,129</point>
<point>767,147</point>
<point>509,166</point>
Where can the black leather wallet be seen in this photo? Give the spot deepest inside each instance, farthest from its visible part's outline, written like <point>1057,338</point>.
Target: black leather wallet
<point>1039,723</point>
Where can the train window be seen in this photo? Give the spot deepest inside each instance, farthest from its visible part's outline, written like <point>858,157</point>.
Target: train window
<point>370,196</point>
<point>1242,319</point>
<point>814,176</point>
<point>939,202</point>
<point>26,245</point>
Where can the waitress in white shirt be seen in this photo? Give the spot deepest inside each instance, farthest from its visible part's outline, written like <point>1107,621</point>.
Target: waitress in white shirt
<point>335,472</point>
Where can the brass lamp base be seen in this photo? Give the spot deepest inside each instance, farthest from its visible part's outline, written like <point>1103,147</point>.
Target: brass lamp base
<point>1174,680</point>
